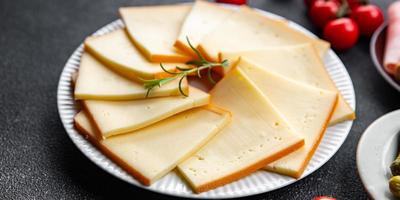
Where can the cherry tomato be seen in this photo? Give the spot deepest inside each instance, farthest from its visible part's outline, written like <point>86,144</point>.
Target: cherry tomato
<point>309,3</point>
<point>342,33</point>
<point>237,2</point>
<point>324,198</point>
<point>354,3</point>
<point>321,12</point>
<point>368,17</point>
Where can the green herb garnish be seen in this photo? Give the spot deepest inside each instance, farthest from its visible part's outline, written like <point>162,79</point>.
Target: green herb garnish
<point>201,64</point>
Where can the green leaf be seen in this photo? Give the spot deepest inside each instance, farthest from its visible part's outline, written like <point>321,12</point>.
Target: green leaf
<point>180,87</point>
<point>209,75</point>
<point>195,62</point>
<point>183,69</point>
<point>201,64</point>
<point>165,70</point>
<point>225,63</point>
<point>194,49</point>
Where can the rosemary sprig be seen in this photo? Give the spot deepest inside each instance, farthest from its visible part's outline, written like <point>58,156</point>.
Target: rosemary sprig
<point>200,64</point>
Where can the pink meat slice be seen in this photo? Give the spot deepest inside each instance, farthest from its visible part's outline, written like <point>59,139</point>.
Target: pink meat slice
<point>392,51</point>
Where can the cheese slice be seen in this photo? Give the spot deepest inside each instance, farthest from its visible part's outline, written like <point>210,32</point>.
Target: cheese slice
<point>257,135</point>
<point>118,117</point>
<point>154,30</point>
<point>247,30</point>
<point>118,53</point>
<point>307,109</point>
<point>150,153</point>
<point>97,82</point>
<point>202,19</point>
<point>300,63</point>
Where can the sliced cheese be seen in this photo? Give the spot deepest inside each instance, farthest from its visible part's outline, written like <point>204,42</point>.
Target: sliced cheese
<point>300,63</point>
<point>154,30</point>
<point>247,29</point>
<point>307,109</point>
<point>257,135</point>
<point>118,53</point>
<point>97,82</point>
<point>150,153</point>
<point>118,117</point>
<point>202,19</point>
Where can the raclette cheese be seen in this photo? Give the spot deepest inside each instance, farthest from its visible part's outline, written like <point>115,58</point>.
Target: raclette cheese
<point>154,29</point>
<point>118,53</point>
<point>150,153</point>
<point>203,18</point>
<point>118,117</point>
<point>247,30</point>
<point>307,109</point>
<point>97,82</point>
<point>257,135</point>
<point>300,63</point>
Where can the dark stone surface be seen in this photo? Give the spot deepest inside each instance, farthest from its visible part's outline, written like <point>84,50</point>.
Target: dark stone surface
<point>38,160</point>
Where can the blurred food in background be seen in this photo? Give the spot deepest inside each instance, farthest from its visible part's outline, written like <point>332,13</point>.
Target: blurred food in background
<point>391,58</point>
<point>344,21</point>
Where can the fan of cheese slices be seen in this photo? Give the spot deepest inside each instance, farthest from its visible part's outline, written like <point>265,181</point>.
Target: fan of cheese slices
<point>269,111</point>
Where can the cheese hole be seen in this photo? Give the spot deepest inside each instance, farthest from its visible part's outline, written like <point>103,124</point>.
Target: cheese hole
<point>193,170</point>
<point>148,107</point>
<point>277,138</point>
<point>276,123</point>
<point>261,146</point>
<point>200,158</point>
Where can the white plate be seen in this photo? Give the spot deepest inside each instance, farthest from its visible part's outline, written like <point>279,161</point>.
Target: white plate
<point>376,150</point>
<point>258,182</point>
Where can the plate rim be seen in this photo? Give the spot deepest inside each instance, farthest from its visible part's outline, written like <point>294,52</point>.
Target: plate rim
<point>362,141</point>
<point>193,195</point>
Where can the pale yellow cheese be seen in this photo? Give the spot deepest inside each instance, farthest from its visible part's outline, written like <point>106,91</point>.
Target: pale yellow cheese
<point>300,63</point>
<point>150,153</point>
<point>154,30</point>
<point>203,18</point>
<point>97,82</point>
<point>118,53</point>
<point>257,135</point>
<point>118,117</point>
<point>307,109</point>
<point>247,30</point>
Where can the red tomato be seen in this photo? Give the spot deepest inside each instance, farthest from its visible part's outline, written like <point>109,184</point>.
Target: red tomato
<point>353,3</point>
<point>324,198</point>
<point>321,12</point>
<point>368,17</point>
<point>309,3</point>
<point>342,33</point>
<point>237,2</point>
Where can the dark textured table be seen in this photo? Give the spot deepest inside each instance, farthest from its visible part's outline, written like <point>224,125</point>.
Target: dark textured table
<point>38,160</point>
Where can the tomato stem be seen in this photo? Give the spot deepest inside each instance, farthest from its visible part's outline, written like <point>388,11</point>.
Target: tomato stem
<point>343,9</point>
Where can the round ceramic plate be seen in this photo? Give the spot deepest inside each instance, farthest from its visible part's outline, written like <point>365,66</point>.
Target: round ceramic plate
<point>377,50</point>
<point>376,150</point>
<point>171,184</point>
